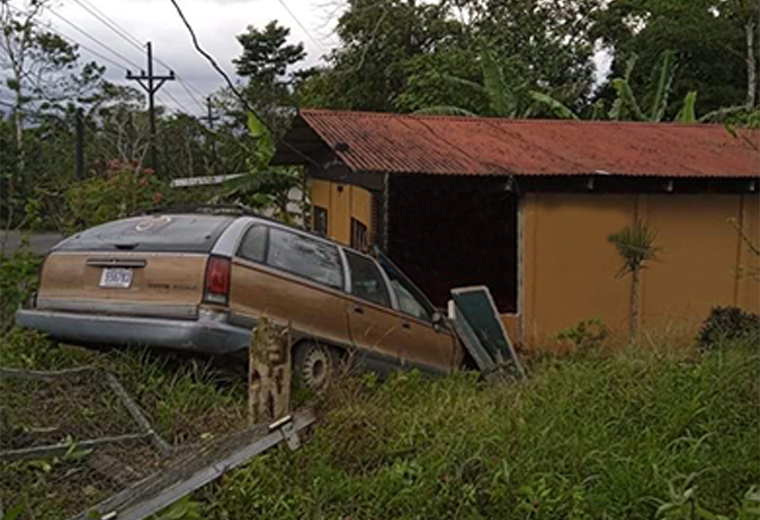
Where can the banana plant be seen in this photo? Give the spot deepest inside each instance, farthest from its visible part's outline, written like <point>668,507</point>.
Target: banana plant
<point>627,106</point>
<point>264,186</point>
<point>505,97</point>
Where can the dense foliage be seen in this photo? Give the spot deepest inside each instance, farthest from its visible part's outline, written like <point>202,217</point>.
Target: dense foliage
<point>614,437</point>
<point>729,324</point>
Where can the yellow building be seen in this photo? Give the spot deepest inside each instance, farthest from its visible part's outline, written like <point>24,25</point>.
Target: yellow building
<point>525,207</point>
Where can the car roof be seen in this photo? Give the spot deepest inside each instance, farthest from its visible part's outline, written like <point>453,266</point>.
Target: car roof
<point>239,212</point>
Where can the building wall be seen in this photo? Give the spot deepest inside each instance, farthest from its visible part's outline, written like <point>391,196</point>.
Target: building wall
<point>342,202</point>
<point>570,269</point>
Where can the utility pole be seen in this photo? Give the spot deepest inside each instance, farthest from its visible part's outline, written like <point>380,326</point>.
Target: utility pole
<point>80,144</point>
<point>210,118</point>
<point>151,84</point>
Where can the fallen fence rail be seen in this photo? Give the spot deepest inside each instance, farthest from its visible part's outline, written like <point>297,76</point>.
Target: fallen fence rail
<point>195,469</point>
<point>163,447</point>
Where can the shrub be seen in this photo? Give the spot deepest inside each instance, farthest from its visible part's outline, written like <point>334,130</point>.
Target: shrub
<point>123,192</point>
<point>18,279</point>
<point>589,438</point>
<point>585,335</point>
<point>726,324</point>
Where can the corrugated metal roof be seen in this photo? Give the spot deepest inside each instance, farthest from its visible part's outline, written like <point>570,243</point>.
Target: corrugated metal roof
<point>488,146</point>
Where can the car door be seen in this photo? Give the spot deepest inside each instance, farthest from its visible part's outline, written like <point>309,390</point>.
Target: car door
<point>376,329</point>
<point>421,342</point>
<point>292,278</point>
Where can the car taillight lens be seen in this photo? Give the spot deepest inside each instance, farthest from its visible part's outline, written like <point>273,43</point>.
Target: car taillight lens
<point>217,279</point>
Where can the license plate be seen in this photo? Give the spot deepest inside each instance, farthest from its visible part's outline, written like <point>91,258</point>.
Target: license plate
<point>116,278</point>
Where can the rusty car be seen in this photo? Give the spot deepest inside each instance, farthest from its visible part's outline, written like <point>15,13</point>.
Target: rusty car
<point>200,281</point>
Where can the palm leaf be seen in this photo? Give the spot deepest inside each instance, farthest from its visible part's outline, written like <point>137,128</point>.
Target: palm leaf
<point>687,113</point>
<point>664,71</point>
<point>559,109</point>
<point>500,95</point>
<point>264,150</point>
<point>635,245</point>
<point>442,110</point>
<point>627,99</point>
<point>597,112</point>
<point>717,115</point>
<point>465,83</point>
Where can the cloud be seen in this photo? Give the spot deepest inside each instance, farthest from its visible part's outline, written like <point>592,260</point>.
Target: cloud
<point>215,22</point>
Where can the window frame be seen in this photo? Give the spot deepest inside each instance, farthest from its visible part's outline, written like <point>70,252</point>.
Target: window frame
<point>416,292</point>
<point>342,267</point>
<point>380,271</point>
<point>242,240</point>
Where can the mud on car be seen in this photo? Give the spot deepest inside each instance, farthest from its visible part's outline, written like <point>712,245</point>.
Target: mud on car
<point>200,281</point>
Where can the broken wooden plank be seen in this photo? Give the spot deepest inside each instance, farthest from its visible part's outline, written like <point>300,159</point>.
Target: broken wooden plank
<point>197,469</point>
<point>134,410</point>
<point>39,375</point>
<point>53,450</point>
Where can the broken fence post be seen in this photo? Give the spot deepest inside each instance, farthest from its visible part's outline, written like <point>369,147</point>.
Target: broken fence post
<point>269,372</point>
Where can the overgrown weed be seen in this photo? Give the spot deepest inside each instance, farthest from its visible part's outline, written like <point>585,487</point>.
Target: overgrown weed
<point>590,436</point>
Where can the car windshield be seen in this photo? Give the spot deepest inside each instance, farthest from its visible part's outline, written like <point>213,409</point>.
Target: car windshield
<point>169,233</point>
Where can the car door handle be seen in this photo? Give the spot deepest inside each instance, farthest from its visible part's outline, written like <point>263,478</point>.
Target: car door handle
<point>358,310</point>
<point>406,325</point>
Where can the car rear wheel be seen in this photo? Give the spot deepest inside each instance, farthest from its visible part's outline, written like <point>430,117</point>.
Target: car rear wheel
<point>315,365</point>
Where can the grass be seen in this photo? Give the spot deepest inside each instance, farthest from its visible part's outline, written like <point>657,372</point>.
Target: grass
<point>615,436</point>
<point>186,401</point>
<point>590,437</point>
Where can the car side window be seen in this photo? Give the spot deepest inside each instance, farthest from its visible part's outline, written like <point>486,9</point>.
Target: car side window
<point>305,256</point>
<point>253,246</point>
<point>407,301</point>
<point>366,281</point>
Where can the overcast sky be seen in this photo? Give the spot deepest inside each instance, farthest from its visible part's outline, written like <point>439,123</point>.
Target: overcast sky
<point>216,23</point>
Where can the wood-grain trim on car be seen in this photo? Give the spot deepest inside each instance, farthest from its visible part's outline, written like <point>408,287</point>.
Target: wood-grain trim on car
<point>175,278</point>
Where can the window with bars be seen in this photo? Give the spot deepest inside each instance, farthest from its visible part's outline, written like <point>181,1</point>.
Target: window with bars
<point>319,224</point>
<point>359,237</point>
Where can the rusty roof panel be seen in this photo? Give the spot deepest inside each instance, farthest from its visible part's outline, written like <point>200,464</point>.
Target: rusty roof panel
<point>488,146</point>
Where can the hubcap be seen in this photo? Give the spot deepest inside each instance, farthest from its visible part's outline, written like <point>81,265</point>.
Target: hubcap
<point>316,368</point>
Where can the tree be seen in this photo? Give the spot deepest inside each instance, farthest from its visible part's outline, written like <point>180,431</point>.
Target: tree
<point>395,51</point>
<point>379,38</point>
<point>266,62</point>
<point>30,54</point>
<point>636,247</point>
<point>746,14</point>
<point>706,37</point>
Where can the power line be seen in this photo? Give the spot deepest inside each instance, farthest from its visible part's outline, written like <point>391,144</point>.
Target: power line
<point>292,15</point>
<point>184,85</point>
<point>111,24</point>
<point>88,35</point>
<point>234,90</point>
<point>134,42</point>
<point>74,42</point>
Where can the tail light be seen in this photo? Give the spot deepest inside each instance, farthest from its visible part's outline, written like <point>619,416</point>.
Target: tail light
<point>217,280</point>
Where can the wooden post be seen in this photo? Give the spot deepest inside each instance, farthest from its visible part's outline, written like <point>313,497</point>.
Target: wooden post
<point>269,373</point>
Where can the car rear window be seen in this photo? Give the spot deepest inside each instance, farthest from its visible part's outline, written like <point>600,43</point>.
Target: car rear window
<point>159,233</point>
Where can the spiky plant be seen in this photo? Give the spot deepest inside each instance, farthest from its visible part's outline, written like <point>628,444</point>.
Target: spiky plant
<point>636,246</point>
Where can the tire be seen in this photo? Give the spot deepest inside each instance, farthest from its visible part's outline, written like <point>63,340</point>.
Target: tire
<point>315,365</point>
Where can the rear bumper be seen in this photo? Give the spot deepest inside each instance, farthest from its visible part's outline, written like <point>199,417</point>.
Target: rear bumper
<point>204,335</point>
